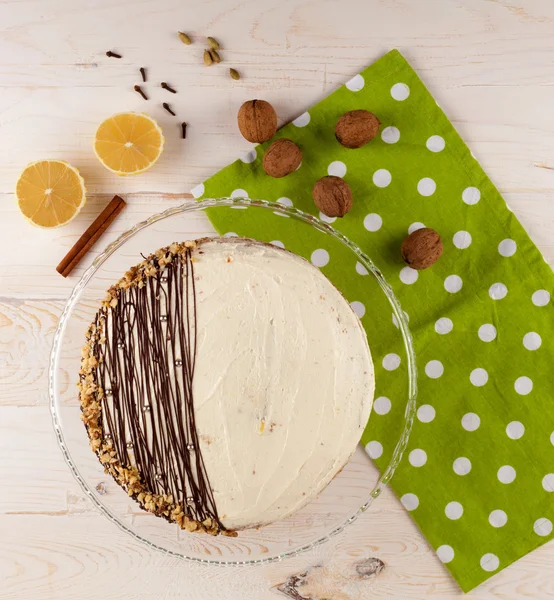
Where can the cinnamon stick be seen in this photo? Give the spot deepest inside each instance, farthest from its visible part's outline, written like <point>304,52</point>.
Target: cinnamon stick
<point>91,236</point>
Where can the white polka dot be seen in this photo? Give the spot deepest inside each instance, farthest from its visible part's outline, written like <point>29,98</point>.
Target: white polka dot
<point>435,143</point>
<point>453,284</point>
<point>523,385</point>
<point>507,248</point>
<point>277,243</point>
<point>358,308</point>
<point>487,332</point>
<point>390,135</point>
<point>471,195</point>
<point>320,257</point>
<point>541,298</point>
<point>426,186</point>
<point>532,340</point>
<point>515,430</point>
<point>382,178</point>
<point>548,482</point>
<point>410,501</point>
<point>198,190</point>
<point>506,474</point>
<point>462,239</point>
<point>230,234</point>
<point>408,275</point>
<point>395,320</point>
<point>462,466</point>
<point>426,413</point>
<point>391,362</point>
<point>489,562</point>
<point>327,219</point>
<point>374,449</point>
<point>415,226</point>
<point>454,510</point>
<point>417,457</point>
<point>373,222</point>
<point>478,377</point>
<point>302,120</point>
<point>249,157</point>
<point>543,527</point>
<point>337,168</point>
<point>239,193</point>
<point>445,553</point>
<point>434,369</point>
<point>400,91</point>
<point>355,84</point>
<point>285,201</point>
<point>471,422</point>
<point>444,325</point>
<point>497,291</point>
<point>498,518</point>
<point>360,269</point>
<point>382,405</point>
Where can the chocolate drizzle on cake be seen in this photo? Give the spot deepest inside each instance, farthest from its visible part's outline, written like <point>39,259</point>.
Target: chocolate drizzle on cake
<point>142,346</point>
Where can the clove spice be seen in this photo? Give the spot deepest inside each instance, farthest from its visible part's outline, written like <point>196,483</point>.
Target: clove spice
<point>167,87</point>
<point>168,108</point>
<point>184,130</point>
<point>111,54</point>
<point>138,89</point>
<point>143,74</point>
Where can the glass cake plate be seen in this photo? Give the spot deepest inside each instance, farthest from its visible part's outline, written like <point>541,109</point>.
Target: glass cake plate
<point>352,492</point>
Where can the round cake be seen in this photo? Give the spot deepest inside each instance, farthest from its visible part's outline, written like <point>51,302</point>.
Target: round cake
<point>224,383</point>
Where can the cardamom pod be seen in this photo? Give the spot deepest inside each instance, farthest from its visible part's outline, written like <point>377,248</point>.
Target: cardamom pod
<point>208,60</point>
<point>215,56</point>
<point>213,43</point>
<point>234,74</point>
<point>185,38</point>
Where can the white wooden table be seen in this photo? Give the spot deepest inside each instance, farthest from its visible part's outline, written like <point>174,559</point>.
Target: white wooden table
<point>490,64</point>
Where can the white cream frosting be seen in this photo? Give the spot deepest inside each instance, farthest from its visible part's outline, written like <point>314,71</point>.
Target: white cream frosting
<point>283,382</point>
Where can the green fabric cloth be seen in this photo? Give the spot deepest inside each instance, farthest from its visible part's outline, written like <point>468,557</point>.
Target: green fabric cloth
<point>478,475</point>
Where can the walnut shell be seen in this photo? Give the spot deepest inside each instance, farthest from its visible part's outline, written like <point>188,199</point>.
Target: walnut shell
<point>332,195</point>
<point>356,128</point>
<point>257,121</point>
<point>281,158</point>
<point>422,248</point>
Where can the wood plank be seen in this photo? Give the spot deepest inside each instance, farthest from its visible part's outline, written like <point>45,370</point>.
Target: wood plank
<point>489,66</point>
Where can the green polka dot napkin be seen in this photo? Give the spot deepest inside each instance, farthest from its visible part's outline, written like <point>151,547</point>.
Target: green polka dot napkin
<point>478,475</point>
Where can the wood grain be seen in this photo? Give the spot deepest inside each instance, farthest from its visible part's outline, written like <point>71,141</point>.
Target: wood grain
<point>488,63</point>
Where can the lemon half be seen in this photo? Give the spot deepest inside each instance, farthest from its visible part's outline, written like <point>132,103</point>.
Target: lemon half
<point>50,193</point>
<point>128,143</point>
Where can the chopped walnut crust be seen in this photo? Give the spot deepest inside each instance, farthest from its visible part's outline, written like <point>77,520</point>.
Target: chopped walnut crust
<point>91,396</point>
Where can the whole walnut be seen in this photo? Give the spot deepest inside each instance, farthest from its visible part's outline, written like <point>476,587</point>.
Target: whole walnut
<point>356,128</point>
<point>257,121</point>
<point>281,158</point>
<point>332,195</point>
<point>422,248</point>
